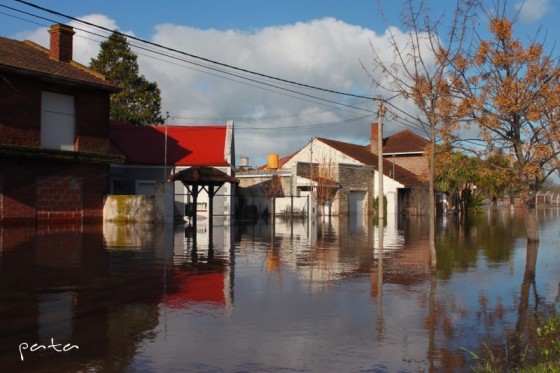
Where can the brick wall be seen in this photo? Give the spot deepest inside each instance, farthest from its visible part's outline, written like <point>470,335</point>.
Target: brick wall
<point>352,178</point>
<point>417,164</point>
<point>92,122</point>
<point>19,126</point>
<point>23,127</point>
<point>52,191</point>
<point>59,198</point>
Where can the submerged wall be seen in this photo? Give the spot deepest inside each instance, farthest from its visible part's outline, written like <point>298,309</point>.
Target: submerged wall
<point>132,209</point>
<point>156,208</point>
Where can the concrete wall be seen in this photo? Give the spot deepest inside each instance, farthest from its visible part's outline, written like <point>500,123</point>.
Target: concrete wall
<point>141,208</point>
<point>131,208</point>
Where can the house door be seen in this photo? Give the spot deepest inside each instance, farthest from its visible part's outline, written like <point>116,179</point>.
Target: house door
<point>356,202</point>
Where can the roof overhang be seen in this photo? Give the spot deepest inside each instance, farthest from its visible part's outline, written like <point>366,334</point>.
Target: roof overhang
<point>201,175</point>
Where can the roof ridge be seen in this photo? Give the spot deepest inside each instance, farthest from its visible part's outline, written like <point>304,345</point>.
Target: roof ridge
<point>73,63</point>
<point>338,141</point>
<point>116,123</point>
<point>34,45</point>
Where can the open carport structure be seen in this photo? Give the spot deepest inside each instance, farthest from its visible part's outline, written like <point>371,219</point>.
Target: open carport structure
<point>199,178</point>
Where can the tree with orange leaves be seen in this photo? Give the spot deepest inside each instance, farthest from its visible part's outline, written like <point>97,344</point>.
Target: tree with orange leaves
<point>512,92</point>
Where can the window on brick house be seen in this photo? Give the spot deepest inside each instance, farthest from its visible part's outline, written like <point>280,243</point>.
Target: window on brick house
<point>58,121</point>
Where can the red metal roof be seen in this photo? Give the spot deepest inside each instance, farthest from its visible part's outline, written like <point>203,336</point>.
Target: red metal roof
<point>32,59</point>
<point>186,145</point>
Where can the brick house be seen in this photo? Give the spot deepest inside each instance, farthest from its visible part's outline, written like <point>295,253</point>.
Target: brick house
<point>54,129</point>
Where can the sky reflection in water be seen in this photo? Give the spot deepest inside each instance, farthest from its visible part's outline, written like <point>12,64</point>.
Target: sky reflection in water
<point>139,298</point>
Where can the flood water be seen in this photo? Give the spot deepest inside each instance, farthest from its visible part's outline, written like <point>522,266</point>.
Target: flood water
<point>255,298</point>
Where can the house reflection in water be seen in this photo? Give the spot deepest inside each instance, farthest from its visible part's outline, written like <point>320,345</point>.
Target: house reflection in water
<point>106,289</point>
<point>406,254</point>
<point>100,288</point>
<point>342,247</point>
<point>197,274</point>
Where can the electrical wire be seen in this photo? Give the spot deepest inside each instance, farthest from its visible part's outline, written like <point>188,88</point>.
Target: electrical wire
<point>221,71</point>
<point>195,56</point>
<point>199,64</point>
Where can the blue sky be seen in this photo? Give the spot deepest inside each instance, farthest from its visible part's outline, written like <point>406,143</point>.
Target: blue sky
<point>324,43</point>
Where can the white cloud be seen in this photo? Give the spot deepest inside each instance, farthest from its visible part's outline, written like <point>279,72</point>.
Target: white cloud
<point>86,44</point>
<point>532,10</point>
<point>324,53</point>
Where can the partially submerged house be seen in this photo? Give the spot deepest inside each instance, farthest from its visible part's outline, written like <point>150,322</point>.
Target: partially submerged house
<point>54,133</point>
<point>154,153</point>
<point>343,176</point>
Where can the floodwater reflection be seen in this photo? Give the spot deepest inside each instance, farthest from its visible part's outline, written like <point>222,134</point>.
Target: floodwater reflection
<point>335,295</point>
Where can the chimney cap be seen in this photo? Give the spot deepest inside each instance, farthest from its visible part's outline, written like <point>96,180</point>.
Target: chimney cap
<point>62,27</point>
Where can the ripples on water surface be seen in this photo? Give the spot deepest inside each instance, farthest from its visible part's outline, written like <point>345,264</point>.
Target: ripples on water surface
<point>264,299</point>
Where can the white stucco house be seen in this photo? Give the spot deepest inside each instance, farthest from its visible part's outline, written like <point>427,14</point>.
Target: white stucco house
<point>348,171</point>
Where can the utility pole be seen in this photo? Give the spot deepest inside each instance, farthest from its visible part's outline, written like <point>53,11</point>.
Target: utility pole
<point>380,205</point>
<point>165,147</point>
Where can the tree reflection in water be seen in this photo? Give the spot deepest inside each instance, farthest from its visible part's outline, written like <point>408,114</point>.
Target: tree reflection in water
<point>341,295</point>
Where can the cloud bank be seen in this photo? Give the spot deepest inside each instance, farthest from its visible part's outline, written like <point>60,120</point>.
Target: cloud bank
<point>325,53</point>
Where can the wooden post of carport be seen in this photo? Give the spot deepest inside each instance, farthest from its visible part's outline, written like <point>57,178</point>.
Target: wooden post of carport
<point>212,179</point>
<point>193,190</point>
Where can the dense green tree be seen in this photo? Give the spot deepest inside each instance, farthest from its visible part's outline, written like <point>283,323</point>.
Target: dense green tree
<point>496,176</point>
<point>457,175</point>
<point>468,179</point>
<point>139,102</point>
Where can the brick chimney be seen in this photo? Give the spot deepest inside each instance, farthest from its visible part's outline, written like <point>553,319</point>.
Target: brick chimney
<point>61,42</point>
<point>373,138</point>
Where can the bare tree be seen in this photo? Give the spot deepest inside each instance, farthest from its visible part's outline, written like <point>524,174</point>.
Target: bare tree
<point>324,178</point>
<point>272,189</point>
<point>419,72</point>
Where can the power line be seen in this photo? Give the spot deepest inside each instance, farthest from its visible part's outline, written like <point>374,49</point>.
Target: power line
<point>198,64</point>
<point>305,127</point>
<point>416,119</point>
<point>195,56</point>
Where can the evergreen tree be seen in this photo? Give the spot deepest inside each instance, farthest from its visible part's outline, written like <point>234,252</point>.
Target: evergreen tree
<point>139,102</point>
